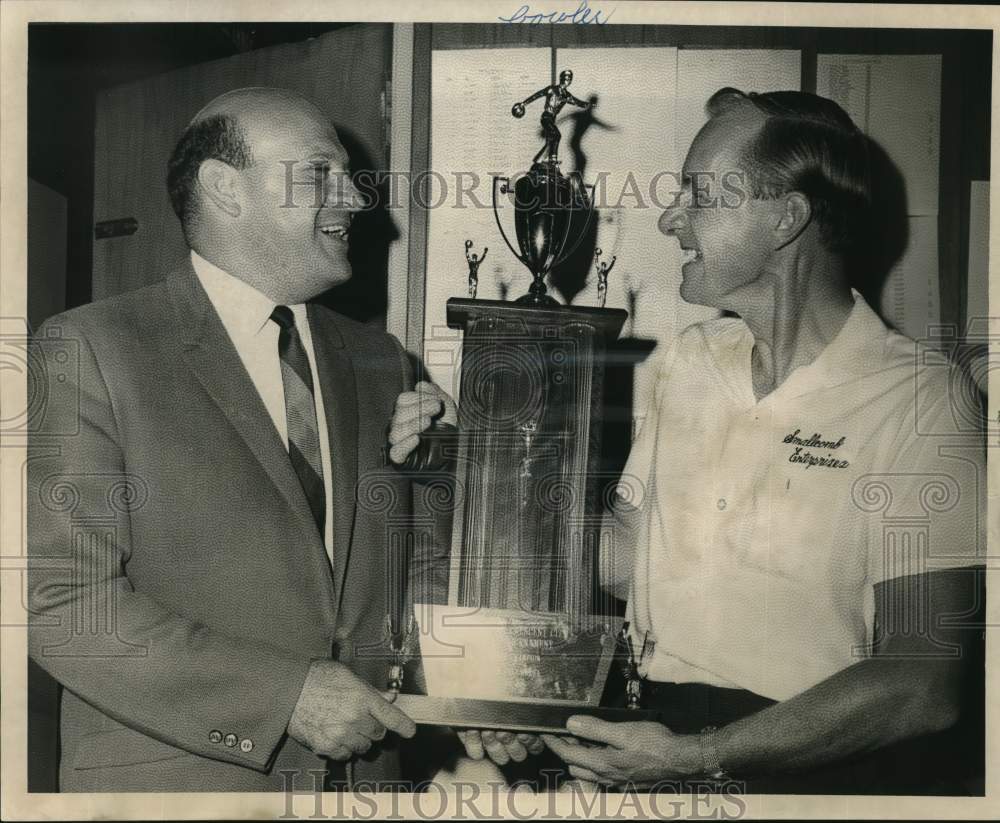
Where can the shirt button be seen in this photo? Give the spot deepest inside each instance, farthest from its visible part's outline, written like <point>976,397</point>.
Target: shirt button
<point>215,736</point>
<point>230,740</point>
<point>246,745</point>
<point>721,504</point>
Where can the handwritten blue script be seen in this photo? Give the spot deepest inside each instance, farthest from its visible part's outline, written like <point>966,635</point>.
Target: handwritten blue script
<point>583,14</point>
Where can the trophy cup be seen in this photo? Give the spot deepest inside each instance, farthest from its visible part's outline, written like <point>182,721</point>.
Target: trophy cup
<point>545,204</point>
<point>526,639</point>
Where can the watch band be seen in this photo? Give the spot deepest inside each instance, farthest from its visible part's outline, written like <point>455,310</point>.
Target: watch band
<point>711,767</point>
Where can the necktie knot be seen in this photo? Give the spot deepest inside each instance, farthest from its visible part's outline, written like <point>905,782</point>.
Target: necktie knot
<point>283,316</point>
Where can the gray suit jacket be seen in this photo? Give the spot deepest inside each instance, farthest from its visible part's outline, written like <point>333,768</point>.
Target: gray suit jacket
<point>178,586</point>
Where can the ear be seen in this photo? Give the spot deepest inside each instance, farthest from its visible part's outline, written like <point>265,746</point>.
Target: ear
<point>794,215</point>
<point>219,185</point>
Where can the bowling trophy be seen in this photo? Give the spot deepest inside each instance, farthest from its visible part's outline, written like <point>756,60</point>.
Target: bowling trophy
<point>527,638</point>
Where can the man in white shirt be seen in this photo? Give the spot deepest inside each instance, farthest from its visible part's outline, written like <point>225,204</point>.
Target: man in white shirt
<point>211,543</point>
<point>804,509</point>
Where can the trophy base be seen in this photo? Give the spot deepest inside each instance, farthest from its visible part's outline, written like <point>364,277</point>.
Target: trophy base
<point>507,715</point>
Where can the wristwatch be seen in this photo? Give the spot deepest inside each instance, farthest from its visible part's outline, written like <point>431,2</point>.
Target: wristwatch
<point>711,767</point>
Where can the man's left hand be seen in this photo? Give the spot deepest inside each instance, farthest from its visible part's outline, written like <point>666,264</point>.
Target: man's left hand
<point>415,412</point>
<point>639,754</point>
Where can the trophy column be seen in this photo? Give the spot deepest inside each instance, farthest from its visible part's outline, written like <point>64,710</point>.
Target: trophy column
<point>531,409</point>
<point>521,645</point>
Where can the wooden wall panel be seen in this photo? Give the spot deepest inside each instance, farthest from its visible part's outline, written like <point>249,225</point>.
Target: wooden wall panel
<point>343,72</point>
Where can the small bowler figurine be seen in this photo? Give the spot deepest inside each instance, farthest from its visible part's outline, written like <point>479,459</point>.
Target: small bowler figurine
<point>603,269</point>
<point>474,260</point>
<point>556,97</point>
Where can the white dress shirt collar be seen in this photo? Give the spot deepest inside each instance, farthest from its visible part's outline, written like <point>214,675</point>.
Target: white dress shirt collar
<point>244,310</point>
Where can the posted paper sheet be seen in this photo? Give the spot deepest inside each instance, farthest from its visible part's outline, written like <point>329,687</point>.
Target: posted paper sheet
<point>473,133</point>
<point>896,100</point>
<point>911,296</point>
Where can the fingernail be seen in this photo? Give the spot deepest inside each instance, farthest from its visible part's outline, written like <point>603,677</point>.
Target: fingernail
<point>574,724</point>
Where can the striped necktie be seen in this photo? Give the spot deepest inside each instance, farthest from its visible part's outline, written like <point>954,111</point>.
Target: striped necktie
<point>300,413</point>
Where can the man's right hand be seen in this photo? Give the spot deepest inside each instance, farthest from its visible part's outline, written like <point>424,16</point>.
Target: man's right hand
<point>339,715</point>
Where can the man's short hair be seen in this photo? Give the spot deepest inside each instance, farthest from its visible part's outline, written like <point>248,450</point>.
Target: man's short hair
<point>214,138</point>
<point>808,144</point>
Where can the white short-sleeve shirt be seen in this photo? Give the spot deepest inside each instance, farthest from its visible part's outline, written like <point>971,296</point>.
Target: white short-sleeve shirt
<point>765,525</point>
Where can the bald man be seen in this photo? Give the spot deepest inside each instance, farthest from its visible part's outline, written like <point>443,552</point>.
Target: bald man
<point>209,578</point>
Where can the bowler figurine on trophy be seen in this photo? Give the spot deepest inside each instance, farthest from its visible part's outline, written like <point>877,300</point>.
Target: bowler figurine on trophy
<point>603,270</point>
<point>556,97</point>
<point>474,261</point>
<point>545,201</point>
<point>526,639</point>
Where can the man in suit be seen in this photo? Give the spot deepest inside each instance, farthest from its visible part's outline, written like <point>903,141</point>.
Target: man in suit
<point>208,497</point>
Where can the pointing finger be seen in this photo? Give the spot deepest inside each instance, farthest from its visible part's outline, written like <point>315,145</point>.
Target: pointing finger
<point>591,728</point>
<point>576,755</point>
<point>391,717</point>
<point>581,773</point>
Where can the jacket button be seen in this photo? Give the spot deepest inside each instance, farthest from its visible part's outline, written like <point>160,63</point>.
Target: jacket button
<point>215,736</point>
<point>230,740</point>
<point>246,745</point>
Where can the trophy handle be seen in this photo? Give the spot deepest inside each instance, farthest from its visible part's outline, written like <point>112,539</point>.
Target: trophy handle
<point>503,183</point>
<point>561,255</point>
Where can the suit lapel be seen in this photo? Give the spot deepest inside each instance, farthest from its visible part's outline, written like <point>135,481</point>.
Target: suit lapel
<point>215,362</point>
<point>340,400</point>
